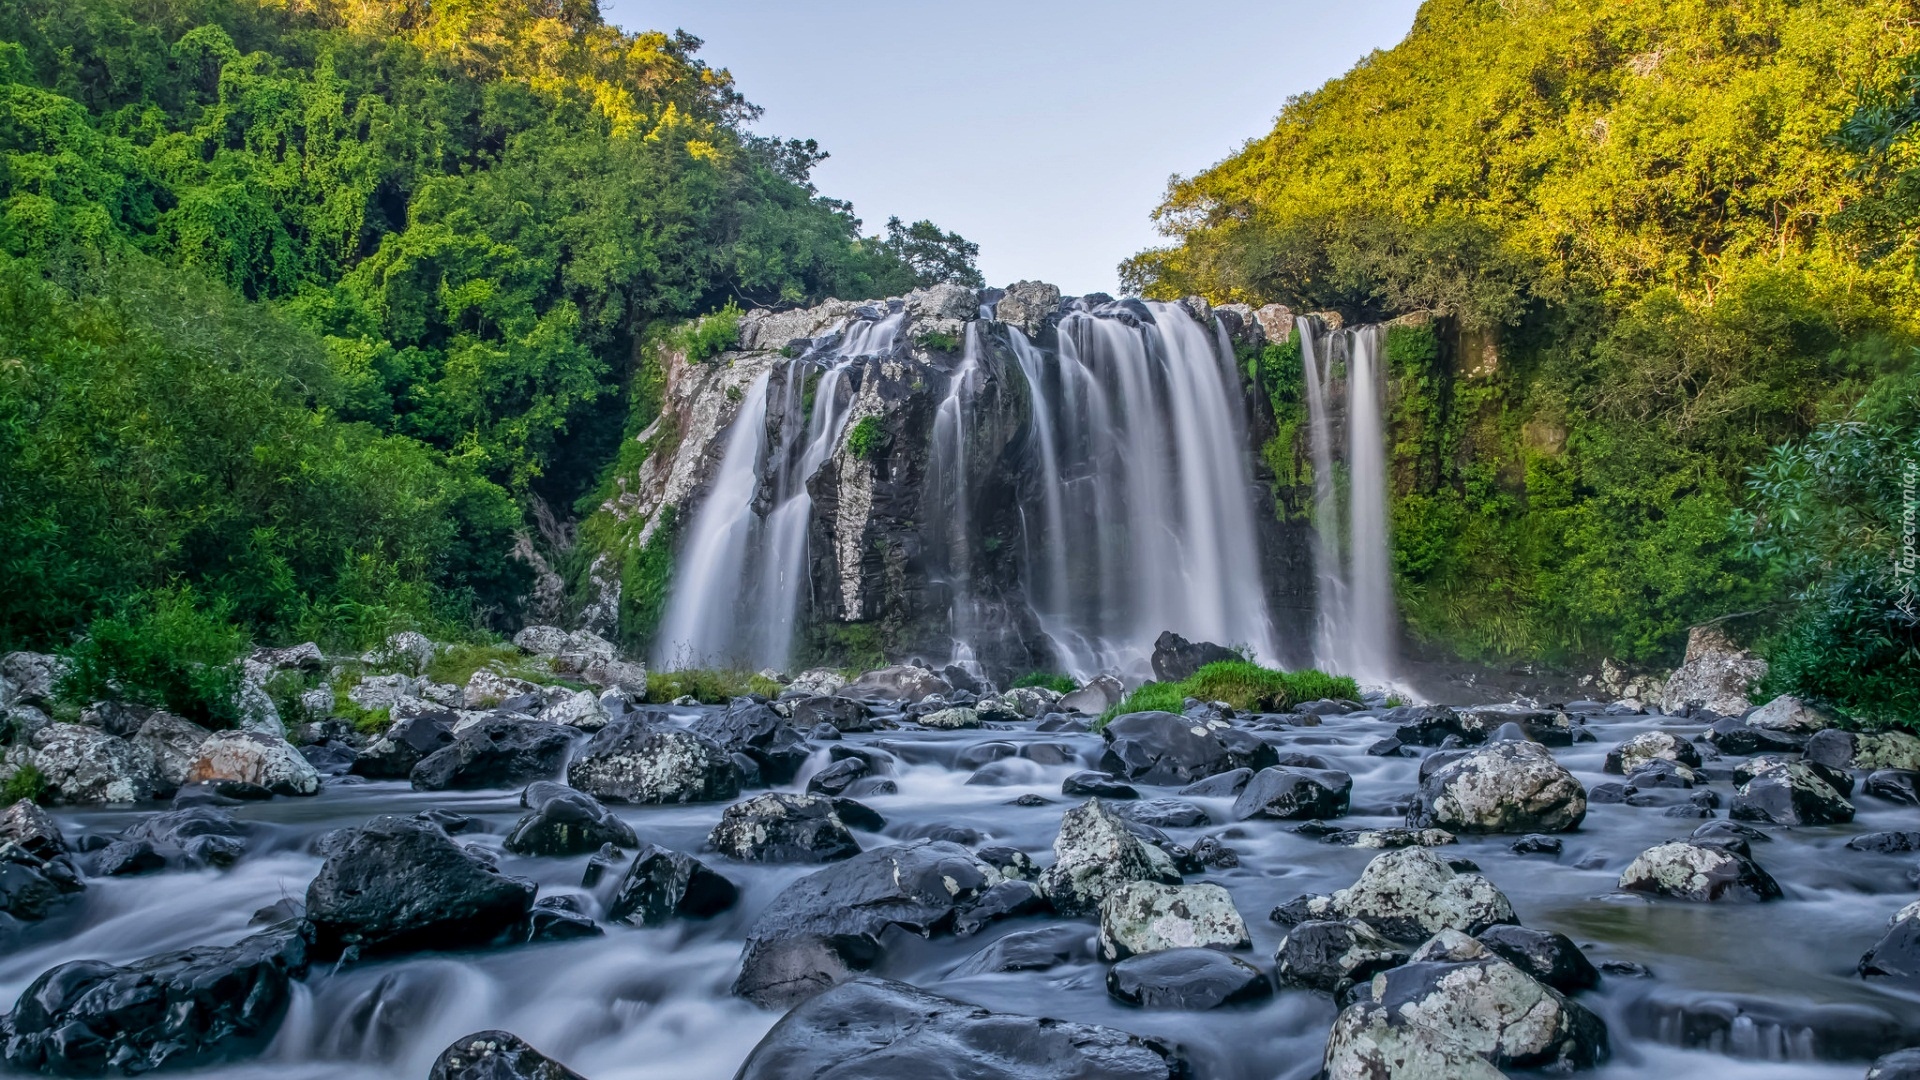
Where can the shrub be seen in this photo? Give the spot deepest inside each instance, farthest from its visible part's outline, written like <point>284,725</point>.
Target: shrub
<point>27,782</point>
<point>867,438</point>
<point>456,663</point>
<point>709,686</point>
<point>1245,686</point>
<point>1059,684</point>
<point>710,335</point>
<point>935,341</point>
<point>168,650</point>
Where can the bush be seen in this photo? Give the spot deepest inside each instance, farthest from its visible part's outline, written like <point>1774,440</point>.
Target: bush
<point>710,335</point>
<point>168,650</point>
<point>1059,684</point>
<point>935,341</point>
<point>709,686</point>
<point>1247,687</point>
<point>27,782</point>
<point>867,438</point>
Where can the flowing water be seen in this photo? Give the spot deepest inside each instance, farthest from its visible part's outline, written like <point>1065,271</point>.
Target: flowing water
<point>1746,985</point>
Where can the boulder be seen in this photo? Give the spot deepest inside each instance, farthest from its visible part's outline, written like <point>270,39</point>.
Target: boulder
<point>35,677</point>
<point>1552,958</point>
<point>500,751</point>
<point>1651,746</point>
<point>663,885</point>
<point>1789,714</point>
<point>178,1010</point>
<point>1024,701</point>
<point>583,651</point>
<point>174,744</point>
<point>1699,872</point>
<point>779,827</point>
<point>1409,895</point>
<point>1369,1043</point>
<point>631,761</point>
<point>1175,659</point>
<point>489,689</point>
<point>405,744</point>
<point>1090,784</point>
<point>1186,979</point>
<point>951,718</point>
<point>1099,695</point>
<point>375,692</point>
<point>1887,750</point>
<point>844,714</point>
<point>870,1029</point>
<point>1714,675</point>
<point>575,709</point>
<point>1390,838</point>
<point>32,830</point>
<point>1886,843</point>
<point>253,757</point>
<point>1163,748</point>
<point>1507,787</point>
<point>197,836</point>
<point>1895,785</point>
<point>753,728</point>
<point>563,821</point>
<point>1332,955</point>
<point>402,884</point>
<point>1226,785</point>
<point>1899,1065</point>
<point>1164,814</point>
<point>115,717</point>
<point>84,765</point>
<point>903,684</point>
<point>1896,956</point>
<point>1736,737</point>
<point>836,778</point>
<point>826,927</point>
<point>627,677</point>
<point>1095,853</point>
<point>1293,794</point>
<point>496,1055</point>
<point>816,682</point>
<point>541,640</point>
<point>1790,794</point>
<point>1029,950</point>
<point>1146,916</point>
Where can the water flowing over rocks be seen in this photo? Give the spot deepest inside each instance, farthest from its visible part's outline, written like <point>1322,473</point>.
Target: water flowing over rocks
<point>563,821</point>
<point>1162,748</point>
<point>401,884</point>
<point>1094,854</point>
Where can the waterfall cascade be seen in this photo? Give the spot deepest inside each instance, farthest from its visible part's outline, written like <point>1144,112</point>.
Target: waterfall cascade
<point>1354,628</point>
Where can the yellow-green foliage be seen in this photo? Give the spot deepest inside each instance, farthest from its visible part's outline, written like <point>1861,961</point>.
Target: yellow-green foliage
<point>867,438</point>
<point>1059,684</point>
<point>710,335</point>
<point>1247,687</point>
<point>710,686</point>
<point>27,782</point>
<point>456,664</point>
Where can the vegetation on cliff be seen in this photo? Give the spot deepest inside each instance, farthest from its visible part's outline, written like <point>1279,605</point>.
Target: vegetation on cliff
<point>1657,241</point>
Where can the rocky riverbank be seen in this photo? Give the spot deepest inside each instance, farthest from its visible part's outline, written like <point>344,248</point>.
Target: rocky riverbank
<point>907,871</point>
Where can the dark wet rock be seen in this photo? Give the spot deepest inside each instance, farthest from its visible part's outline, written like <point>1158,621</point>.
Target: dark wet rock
<point>1226,785</point>
<point>563,821</point>
<point>1548,727</point>
<point>1552,958</point>
<point>1148,916</point>
<point>1651,746</point>
<point>1175,659</point>
<point>902,684</point>
<point>1030,950</point>
<point>1899,1065</point>
<point>1294,794</point>
<point>1162,748</point>
<point>836,778</point>
<point>1607,793</point>
<point>841,713</point>
<point>1505,787</point>
<point>1095,852</point>
<point>754,729</point>
<point>30,886</point>
<point>1164,814</point>
<point>631,761</point>
<point>196,836</point>
<point>1735,737</point>
<point>1212,851</point>
<point>981,753</point>
<point>878,785</point>
<point>1003,900</point>
<point>406,742</point>
<point>496,1055</point>
<point>1659,773</point>
<point>402,884</point>
<point>33,830</point>
<point>1896,785</point>
<point>177,1010</point>
<point>870,1029</point>
<point>330,758</point>
<point>1082,784</point>
<point>560,918</point>
<point>826,927</point>
<point>497,752</point>
<point>1626,969</point>
<point>1408,895</point>
<point>782,828</point>
<point>1380,839</point>
<point>1186,979</point>
<point>1013,864</point>
<point>1430,725</point>
<point>1698,871</point>
<point>1791,794</point>
<point>1886,843</point>
<point>124,858</point>
<point>1031,799</point>
<point>1331,955</point>
<point>1896,956</point>
<point>1537,844</point>
<point>1833,748</point>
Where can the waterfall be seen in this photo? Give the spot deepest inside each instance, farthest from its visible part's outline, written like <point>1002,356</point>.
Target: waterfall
<point>736,597</point>
<point>1146,519</point>
<point>951,500</point>
<point>1354,630</point>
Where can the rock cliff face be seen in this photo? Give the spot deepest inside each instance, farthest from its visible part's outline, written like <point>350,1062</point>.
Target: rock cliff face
<point>963,475</point>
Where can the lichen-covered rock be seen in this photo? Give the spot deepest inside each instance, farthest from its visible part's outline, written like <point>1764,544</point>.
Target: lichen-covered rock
<point>541,640</point>
<point>374,692</point>
<point>780,827</point>
<point>815,682</point>
<point>1714,675</point>
<point>1294,794</point>
<point>1390,838</point>
<point>1186,979</point>
<point>253,757</point>
<point>402,884</point>
<point>1409,895</point>
<point>177,1010</point>
<point>174,744</point>
<point>1164,748</point>
<point>1095,853</point>
<point>1887,750</point>
<point>83,765</point>
<point>1331,955</point>
<point>1097,696</point>
<point>34,676</point>
<point>1146,916</point>
<point>902,683</point>
<point>1896,956</point>
<point>32,830</point>
<point>562,821</point>
<point>496,1055</point>
<point>1700,872</point>
<point>826,927</point>
<point>1790,794</point>
<point>407,651</point>
<point>1651,746</point>
<point>661,885</point>
<point>871,1029</point>
<point>1367,1043</point>
<point>575,709</point>
<point>630,761</point>
<point>951,718</point>
<point>1790,714</point>
<point>1508,787</point>
<point>497,752</point>
<point>489,689</point>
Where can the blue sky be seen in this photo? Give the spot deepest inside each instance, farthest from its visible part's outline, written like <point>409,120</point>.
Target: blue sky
<point>1043,131</point>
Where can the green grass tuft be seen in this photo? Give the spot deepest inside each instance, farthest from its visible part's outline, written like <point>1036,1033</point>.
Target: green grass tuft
<point>27,782</point>
<point>1059,684</point>
<point>935,341</point>
<point>1246,686</point>
<point>710,335</point>
<point>709,686</point>
<point>867,438</point>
